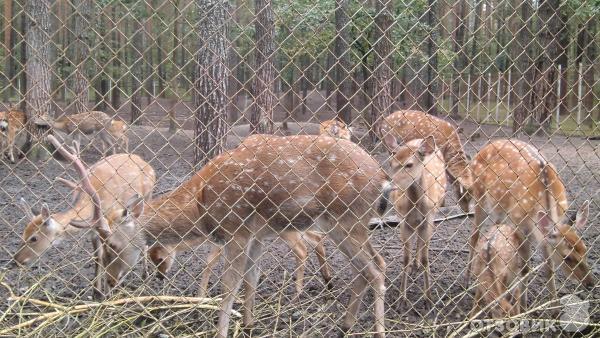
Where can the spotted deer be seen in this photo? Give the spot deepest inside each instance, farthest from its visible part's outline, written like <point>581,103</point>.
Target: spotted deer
<point>94,123</point>
<point>294,183</point>
<point>116,179</point>
<point>513,182</point>
<point>336,129</point>
<point>496,269</point>
<point>407,125</point>
<point>118,132</point>
<point>419,185</point>
<point>12,123</point>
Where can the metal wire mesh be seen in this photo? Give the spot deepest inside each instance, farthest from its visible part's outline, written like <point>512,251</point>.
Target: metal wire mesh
<point>413,102</point>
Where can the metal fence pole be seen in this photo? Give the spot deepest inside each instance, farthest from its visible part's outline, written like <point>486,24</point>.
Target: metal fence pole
<point>559,98</point>
<point>579,94</point>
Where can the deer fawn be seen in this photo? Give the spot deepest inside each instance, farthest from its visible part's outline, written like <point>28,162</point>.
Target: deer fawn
<point>513,182</point>
<point>408,125</point>
<point>108,130</point>
<point>293,183</point>
<point>419,183</point>
<point>116,179</point>
<point>496,268</point>
<point>336,129</point>
<point>12,122</point>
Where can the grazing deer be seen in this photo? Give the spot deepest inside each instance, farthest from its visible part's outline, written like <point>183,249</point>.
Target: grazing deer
<point>496,268</point>
<point>419,183</point>
<point>294,183</point>
<point>95,122</point>
<point>407,125</point>
<point>163,257</point>
<point>513,182</point>
<point>336,129</point>
<point>12,122</point>
<point>115,179</point>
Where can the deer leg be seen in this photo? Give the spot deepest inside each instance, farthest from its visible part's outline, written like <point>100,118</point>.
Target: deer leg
<point>98,291</point>
<point>480,217</point>
<point>250,282</point>
<point>424,236</point>
<point>352,239</point>
<point>524,253</point>
<point>405,234</point>
<point>316,241</point>
<point>296,243</point>
<point>476,304</point>
<point>235,266</point>
<point>211,260</point>
<point>548,272</point>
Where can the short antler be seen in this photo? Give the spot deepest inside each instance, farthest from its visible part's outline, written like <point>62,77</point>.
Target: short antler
<point>69,184</point>
<point>86,185</point>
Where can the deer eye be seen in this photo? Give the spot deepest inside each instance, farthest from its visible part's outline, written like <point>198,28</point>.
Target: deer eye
<point>33,239</point>
<point>570,260</point>
<point>408,165</point>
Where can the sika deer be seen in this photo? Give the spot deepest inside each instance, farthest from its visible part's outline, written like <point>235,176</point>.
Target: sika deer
<point>496,268</point>
<point>336,129</point>
<point>95,122</point>
<point>12,122</point>
<point>513,182</point>
<point>116,179</point>
<point>419,183</point>
<point>294,183</point>
<point>164,257</point>
<point>407,125</point>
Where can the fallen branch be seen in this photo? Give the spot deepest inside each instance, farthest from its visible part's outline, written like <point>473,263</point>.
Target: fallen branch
<point>67,311</point>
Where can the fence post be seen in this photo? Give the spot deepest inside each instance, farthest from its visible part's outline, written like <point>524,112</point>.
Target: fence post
<point>468,115</point>
<point>509,92</point>
<point>559,98</point>
<point>579,94</point>
<point>489,94</point>
<point>479,98</point>
<point>110,90</point>
<point>154,89</point>
<point>498,100</point>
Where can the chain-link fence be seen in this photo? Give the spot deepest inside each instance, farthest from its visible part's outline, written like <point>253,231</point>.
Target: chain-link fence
<point>401,128</point>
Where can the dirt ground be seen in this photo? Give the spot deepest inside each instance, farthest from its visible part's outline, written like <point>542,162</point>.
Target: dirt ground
<point>63,272</point>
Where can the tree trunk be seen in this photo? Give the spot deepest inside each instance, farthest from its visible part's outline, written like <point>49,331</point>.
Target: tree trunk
<point>137,72</point>
<point>39,75</point>
<point>116,73</point>
<point>23,61</point>
<point>382,72</point>
<point>563,60</point>
<point>342,59</point>
<point>545,85</point>
<point>460,60</point>
<point>148,47</point>
<point>429,97</point>
<point>8,47</point>
<point>473,57</point>
<point>521,55</point>
<point>210,94</point>
<point>84,14</point>
<point>261,119</point>
<point>589,61</point>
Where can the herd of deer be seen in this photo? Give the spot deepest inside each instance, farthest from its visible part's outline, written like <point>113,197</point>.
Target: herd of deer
<point>307,188</point>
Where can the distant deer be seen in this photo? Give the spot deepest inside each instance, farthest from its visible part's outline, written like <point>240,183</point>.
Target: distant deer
<point>496,268</point>
<point>293,183</point>
<point>110,132</point>
<point>407,125</point>
<point>12,122</point>
<point>116,179</point>
<point>419,183</point>
<point>513,182</point>
<point>336,129</point>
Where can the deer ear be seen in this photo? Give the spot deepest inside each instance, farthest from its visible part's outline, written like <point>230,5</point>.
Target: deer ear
<point>45,212</point>
<point>135,206</point>
<point>582,215</point>
<point>427,146</point>
<point>390,142</point>
<point>544,222</point>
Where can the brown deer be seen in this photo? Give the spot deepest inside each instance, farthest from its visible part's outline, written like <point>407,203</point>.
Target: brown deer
<point>293,183</point>
<point>97,123</point>
<point>419,183</point>
<point>12,122</point>
<point>336,129</point>
<point>513,182</point>
<point>118,131</point>
<point>496,268</point>
<point>407,125</point>
<point>116,179</point>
